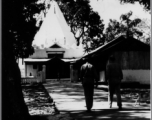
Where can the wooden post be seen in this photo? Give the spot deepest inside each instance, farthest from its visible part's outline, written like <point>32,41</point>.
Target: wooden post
<point>25,69</point>
<point>76,77</point>
<point>71,72</point>
<point>44,73</point>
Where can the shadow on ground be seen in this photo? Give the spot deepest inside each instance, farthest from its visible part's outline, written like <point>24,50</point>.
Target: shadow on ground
<point>50,117</point>
<point>110,114</point>
<point>74,93</point>
<point>67,88</point>
<point>73,90</point>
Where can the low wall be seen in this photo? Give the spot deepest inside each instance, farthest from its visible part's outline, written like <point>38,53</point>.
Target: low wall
<point>141,76</point>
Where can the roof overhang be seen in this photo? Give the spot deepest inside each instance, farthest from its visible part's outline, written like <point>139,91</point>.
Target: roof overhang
<point>45,60</point>
<point>69,60</point>
<point>35,60</point>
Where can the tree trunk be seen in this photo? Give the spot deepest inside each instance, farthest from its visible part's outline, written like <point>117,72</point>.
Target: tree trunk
<point>13,105</point>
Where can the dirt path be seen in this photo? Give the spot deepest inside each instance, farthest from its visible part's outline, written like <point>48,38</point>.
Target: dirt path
<point>69,98</point>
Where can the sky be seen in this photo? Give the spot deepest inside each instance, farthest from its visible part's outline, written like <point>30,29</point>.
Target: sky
<point>113,9</point>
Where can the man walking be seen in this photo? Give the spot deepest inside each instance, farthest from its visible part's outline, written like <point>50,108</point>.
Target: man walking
<point>114,76</point>
<point>87,76</point>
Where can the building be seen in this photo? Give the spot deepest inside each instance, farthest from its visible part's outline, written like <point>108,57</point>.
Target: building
<point>55,47</point>
<point>132,54</point>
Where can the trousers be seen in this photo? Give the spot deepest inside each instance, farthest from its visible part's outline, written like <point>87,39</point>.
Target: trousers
<point>88,92</point>
<point>114,88</point>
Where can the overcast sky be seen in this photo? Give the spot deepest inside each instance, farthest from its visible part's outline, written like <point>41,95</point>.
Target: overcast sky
<point>112,9</point>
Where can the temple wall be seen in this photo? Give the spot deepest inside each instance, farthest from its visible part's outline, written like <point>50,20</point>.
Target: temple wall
<point>31,70</point>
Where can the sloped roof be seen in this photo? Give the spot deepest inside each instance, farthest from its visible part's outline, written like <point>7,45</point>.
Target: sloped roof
<point>120,44</point>
<point>55,46</point>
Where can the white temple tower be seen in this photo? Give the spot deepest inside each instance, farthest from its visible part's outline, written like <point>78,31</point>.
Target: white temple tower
<point>54,29</point>
<point>53,40</point>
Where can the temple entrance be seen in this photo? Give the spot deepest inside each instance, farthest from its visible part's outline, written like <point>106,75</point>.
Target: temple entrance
<point>56,68</point>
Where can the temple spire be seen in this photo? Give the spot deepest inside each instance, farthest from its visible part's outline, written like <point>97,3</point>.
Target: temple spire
<point>54,26</point>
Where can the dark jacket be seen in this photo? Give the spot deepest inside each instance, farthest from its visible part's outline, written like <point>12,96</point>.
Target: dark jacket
<point>88,73</point>
<point>113,72</point>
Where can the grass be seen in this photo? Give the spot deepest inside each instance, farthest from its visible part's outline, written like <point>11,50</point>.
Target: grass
<point>38,100</point>
<point>40,105</point>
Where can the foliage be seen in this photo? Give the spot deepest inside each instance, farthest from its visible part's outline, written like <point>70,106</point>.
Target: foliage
<point>126,27</point>
<point>145,27</point>
<point>17,30</point>
<point>129,25</point>
<point>145,3</point>
<point>113,30</point>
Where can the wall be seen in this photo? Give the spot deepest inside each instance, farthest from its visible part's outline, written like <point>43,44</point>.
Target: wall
<point>133,60</point>
<point>31,70</point>
<point>22,67</point>
<point>39,53</point>
<point>142,76</point>
<point>75,52</point>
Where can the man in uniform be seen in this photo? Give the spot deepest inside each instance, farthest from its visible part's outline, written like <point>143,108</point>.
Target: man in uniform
<point>87,76</point>
<point>114,76</point>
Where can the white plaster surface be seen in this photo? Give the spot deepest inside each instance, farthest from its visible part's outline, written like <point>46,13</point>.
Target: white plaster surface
<point>142,76</point>
<point>31,70</point>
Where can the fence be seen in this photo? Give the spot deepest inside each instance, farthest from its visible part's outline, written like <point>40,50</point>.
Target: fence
<point>31,79</point>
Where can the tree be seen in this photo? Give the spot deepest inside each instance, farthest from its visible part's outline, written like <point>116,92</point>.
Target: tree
<point>17,35</point>
<point>145,27</point>
<point>85,24</point>
<point>113,30</point>
<point>18,30</point>
<point>126,27</point>
<point>145,3</point>
<point>130,25</point>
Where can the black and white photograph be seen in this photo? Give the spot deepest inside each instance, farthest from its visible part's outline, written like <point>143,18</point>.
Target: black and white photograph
<point>76,60</point>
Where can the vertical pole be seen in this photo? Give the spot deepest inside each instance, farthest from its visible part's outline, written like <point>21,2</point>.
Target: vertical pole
<point>44,73</point>
<point>25,69</point>
<point>71,72</point>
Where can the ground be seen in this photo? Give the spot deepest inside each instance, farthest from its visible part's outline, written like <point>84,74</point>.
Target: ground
<point>40,104</point>
<point>68,98</point>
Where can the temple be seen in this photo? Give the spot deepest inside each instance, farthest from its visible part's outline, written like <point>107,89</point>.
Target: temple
<point>55,47</point>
